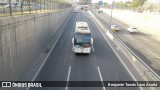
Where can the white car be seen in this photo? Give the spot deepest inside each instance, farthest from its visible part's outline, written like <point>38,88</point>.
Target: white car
<point>132,29</point>
<point>115,27</point>
<point>76,10</point>
<point>9,5</point>
<point>100,10</point>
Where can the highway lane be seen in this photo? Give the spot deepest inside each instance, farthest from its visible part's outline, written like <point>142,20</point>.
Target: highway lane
<point>143,44</point>
<point>101,65</point>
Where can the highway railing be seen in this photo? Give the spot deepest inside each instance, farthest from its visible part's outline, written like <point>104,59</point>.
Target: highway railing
<point>31,7</point>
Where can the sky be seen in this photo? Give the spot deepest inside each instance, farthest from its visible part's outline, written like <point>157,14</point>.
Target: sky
<point>109,1</point>
<point>95,1</point>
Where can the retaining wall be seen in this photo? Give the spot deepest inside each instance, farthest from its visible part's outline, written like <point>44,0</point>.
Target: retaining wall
<point>22,38</point>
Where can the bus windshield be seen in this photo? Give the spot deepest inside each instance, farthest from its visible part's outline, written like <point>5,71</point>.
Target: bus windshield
<point>82,38</point>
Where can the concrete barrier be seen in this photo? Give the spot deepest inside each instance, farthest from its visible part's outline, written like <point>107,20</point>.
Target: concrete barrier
<point>23,38</point>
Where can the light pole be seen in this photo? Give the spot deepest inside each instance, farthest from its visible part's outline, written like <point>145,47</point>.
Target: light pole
<point>10,8</point>
<point>29,6</point>
<point>40,5</point>
<point>111,15</point>
<point>44,5</point>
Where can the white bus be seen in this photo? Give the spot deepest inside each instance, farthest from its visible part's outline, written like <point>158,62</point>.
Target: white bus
<point>82,40</point>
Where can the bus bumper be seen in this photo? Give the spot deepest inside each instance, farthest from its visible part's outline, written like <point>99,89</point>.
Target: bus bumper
<point>82,50</point>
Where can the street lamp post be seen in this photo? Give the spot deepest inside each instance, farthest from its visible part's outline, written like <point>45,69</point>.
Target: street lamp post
<point>10,8</point>
<point>21,4</point>
<point>40,5</point>
<point>111,15</point>
<point>29,6</point>
<point>44,5</point>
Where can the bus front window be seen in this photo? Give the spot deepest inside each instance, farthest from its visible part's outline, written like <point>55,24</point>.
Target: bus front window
<point>82,39</point>
<point>86,38</point>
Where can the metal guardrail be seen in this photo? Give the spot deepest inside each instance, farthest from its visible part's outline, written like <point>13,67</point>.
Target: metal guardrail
<point>30,7</point>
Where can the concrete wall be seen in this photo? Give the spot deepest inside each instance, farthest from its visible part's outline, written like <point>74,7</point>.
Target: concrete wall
<point>22,38</point>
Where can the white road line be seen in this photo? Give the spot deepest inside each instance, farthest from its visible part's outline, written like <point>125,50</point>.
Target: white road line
<point>92,48</point>
<point>69,71</point>
<point>152,53</point>
<point>99,71</point>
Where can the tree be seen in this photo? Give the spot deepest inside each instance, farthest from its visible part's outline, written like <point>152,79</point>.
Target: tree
<point>121,5</point>
<point>137,3</point>
<point>106,4</point>
<point>128,2</point>
<point>141,2</point>
<point>134,4</point>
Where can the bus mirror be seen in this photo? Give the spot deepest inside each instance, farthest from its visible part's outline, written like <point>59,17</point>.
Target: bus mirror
<point>91,40</point>
<point>72,40</point>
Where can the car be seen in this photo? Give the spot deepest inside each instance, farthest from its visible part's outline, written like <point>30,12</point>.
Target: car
<point>100,10</point>
<point>115,27</point>
<point>81,8</point>
<point>132,29</point>
<point>12,5</point>
<point>75,10</point>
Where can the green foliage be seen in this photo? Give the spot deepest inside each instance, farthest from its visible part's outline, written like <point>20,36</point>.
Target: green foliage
<point>106,5</point>
<point>137,3</point>
<point>141,2</point>
<point>152,7</point>
<point>60,0</point>
<point>128,2</point>
<point>121,5</point>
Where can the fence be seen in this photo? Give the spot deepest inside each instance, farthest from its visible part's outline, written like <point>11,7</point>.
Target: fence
<point>30,7</point>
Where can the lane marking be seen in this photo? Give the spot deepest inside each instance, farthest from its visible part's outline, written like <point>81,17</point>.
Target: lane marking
<point>68,77</point>
<point>99,71</point>
<point>69,71</point>
<point>92,47</point>
<point>152,53</point>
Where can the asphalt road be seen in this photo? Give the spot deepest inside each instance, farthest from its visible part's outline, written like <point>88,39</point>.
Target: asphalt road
<point>145,45</point>
<point>101,65</point>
